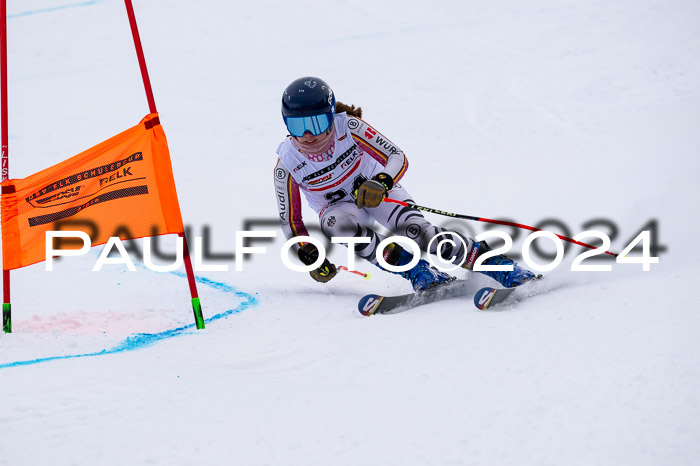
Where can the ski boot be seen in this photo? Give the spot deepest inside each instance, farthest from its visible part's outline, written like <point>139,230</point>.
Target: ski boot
<point>515,277</point>
<point>422,276</point>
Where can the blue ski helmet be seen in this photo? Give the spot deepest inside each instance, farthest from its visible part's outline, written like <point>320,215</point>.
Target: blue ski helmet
<point>308,104</point>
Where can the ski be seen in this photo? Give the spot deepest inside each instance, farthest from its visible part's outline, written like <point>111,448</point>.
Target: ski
<point>486,297</point>
<point>377,304</point>
<point>489,296</point>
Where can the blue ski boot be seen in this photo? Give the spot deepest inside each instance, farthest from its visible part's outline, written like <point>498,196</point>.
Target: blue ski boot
<point>422,276</point>
<point>515,277</point>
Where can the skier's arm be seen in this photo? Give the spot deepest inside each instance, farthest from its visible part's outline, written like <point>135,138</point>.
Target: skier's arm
<point>289,209</point>
<point>289,204</point>
<point>379,148</point>
<point>372,192</point>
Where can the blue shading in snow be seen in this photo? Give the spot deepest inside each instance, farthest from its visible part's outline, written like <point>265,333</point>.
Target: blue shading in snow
<point>142,340</point>
<point>53,8</point>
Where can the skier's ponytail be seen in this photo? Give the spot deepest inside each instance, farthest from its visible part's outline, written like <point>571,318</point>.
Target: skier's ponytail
<point>349,109</point>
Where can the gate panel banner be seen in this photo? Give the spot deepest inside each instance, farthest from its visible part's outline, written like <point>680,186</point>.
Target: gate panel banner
<point>124,184</point>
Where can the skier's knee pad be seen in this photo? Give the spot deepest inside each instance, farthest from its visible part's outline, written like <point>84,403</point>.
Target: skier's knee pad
<point>417,229</point>
<point>339,225</point>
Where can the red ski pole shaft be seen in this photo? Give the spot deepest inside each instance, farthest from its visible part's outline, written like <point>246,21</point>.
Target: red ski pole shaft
<point>356,272</point>
<point>488,220</point>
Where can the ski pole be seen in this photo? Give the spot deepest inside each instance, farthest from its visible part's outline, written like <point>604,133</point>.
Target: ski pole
<point>356,272</point>
<point>488,220</point>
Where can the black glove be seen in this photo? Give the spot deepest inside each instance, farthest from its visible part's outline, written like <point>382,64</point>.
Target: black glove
<point>372,192</point>
<point>308,254</point>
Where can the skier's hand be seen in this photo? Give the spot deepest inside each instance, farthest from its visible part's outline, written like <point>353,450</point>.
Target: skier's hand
<point>324,273</point>
<point>372,192</point>
<point>308,254</point>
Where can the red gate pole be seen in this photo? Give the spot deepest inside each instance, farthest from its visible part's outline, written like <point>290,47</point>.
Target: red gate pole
<point>6,307</point>
<point>139,55</point>
<point>196,305</point>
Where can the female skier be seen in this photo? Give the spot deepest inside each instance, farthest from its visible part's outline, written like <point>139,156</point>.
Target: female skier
<point>346,168</point>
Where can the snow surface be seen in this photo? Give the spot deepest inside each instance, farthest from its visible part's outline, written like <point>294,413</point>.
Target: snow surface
<point>527,110</point>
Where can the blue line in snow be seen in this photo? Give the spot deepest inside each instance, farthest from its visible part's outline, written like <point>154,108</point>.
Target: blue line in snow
<point>53,8</point>
<point>142,340</point>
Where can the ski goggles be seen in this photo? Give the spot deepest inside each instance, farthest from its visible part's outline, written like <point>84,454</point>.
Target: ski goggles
<point>316,125</point>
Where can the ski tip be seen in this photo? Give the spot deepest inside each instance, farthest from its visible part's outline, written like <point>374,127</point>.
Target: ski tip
<point>483,297</point>
<point>369,304</point>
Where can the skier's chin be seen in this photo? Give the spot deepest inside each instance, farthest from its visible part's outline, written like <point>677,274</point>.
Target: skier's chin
<point>315,146</point>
